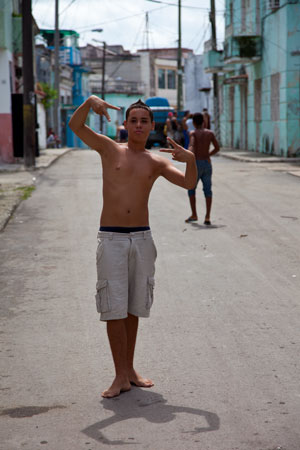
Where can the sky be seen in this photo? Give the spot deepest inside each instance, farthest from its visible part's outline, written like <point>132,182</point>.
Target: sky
<point>126,25</point>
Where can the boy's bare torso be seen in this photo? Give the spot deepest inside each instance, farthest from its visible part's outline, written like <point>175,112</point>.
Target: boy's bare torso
<point>128,177</point>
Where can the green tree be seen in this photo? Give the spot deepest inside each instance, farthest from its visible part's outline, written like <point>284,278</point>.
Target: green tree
<point>50,95</point>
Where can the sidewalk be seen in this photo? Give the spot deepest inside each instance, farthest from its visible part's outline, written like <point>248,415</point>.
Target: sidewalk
<point>290,165</point>
<point>17,183</point>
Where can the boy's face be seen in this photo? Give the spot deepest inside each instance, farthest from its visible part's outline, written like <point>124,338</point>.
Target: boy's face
<point>139,124</point>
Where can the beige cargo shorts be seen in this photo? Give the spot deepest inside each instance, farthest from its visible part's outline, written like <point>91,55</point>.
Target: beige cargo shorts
<point>125,274</point>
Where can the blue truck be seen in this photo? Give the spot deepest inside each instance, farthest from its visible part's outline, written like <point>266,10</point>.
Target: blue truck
<point>160,107</point>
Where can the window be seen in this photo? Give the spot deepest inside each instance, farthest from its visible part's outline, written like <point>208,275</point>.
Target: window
<point>257,100</point>
<point>161,79</point>
<point>171,79</point>
<point>275,96</point>
<point>274,4</point>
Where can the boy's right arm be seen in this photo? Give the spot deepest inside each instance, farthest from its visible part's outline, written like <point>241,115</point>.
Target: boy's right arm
<point>98,142</point>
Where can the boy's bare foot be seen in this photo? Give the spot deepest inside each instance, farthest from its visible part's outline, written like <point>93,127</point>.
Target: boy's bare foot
<point>118,386</point>
<point>192,219</point>
<point>139,381</point>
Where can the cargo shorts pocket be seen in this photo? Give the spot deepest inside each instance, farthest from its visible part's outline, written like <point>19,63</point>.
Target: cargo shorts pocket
<point>150,292</point>
<point>102,297</point>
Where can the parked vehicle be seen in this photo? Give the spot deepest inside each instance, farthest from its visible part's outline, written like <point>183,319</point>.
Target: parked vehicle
<point>160,107</point>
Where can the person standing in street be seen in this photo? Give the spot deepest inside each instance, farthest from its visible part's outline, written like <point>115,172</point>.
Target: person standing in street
<point>200,141</point>
<point>126,252</point>
<point>185,125</point>
<point>206,119</point>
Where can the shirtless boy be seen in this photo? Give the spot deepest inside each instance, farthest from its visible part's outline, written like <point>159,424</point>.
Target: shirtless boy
<point>126,252</point>
<point>200,141</point>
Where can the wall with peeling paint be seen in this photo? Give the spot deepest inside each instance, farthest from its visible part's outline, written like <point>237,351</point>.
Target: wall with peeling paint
<point>271,123</point>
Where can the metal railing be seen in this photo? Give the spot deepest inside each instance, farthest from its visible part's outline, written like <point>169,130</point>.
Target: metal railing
<point>120,86</point>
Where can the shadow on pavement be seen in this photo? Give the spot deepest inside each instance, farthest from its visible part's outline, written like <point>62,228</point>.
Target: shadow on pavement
<point>149,405</point>
<point>205,227</point>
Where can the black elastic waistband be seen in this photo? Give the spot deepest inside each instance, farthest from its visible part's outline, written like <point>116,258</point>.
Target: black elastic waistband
<point>124,229</point>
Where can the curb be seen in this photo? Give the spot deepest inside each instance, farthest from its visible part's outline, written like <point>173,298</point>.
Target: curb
<point>50,156</point>
<point>262,160</point>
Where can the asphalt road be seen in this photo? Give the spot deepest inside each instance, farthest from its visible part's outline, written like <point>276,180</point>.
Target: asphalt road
<point>223,341</point>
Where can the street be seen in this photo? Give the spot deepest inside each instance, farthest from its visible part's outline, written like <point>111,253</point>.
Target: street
<point>222,344</point>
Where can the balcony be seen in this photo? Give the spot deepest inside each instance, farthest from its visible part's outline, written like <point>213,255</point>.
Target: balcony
<point>242,49</point>
<point>117,86</point>
<point>213,61</point>
<point>69,55</point>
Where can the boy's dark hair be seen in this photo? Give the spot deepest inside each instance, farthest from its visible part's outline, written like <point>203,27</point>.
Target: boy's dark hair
<point>198,119</point>
<point>139,105</point>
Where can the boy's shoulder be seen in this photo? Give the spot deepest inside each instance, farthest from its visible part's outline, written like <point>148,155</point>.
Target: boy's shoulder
<point>156,158</point>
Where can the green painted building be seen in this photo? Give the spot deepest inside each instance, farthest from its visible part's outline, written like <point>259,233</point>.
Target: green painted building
<point>259,76</point>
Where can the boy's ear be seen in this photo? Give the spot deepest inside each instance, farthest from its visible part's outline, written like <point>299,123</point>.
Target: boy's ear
<point>153,125</point>
<point>125,124</point>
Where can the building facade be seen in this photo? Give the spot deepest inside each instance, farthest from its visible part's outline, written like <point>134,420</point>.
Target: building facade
<point>74,82</point>
<point>159,72</point>
<point>198,86</point>
<point>123,83</point>
<point>259,72</point>
<point>10,26</point>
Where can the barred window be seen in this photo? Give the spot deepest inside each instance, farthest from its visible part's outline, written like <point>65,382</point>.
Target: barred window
<point>257,99</point>
<point>274,4</point>
<point>161,79</point>
<point>275,96</point>
<point>171,79</point>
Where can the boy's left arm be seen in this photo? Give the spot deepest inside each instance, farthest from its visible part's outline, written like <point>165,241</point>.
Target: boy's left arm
<point>174,175</point>
<point>215,144</point>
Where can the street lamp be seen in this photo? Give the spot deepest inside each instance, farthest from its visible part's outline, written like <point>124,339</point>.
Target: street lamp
<point>99,30</point>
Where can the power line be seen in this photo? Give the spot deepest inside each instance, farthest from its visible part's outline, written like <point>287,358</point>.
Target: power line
<point>203,37</point>
<point>67,7</point>
<point>85,28</point>
<point>175,4</point>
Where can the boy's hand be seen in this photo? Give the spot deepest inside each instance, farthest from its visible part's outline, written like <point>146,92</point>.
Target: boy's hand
<point>178,153</point>
<point>100,106</point>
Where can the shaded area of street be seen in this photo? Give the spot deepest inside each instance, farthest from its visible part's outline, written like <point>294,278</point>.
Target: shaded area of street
<point>222,343</point>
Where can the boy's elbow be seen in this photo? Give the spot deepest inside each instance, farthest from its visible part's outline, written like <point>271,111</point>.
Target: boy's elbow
<point>71,126</point>
<point>189,184</point>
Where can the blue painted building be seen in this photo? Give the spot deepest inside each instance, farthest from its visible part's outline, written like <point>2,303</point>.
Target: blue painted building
<point>259,76</point>
<point>69,55</point>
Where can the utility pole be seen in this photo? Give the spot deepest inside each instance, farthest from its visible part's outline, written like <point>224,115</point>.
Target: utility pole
<point>103,81</point>
<point>56,73</point>
<point>179,66</point>
<point>28,86</point>
<point>215,75</point>
<point>147,30</point>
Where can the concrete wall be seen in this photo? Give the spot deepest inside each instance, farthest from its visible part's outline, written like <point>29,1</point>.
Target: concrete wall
<point>195,79</point>
<point>42,132</point>
<point>6,139</point>
<point>276,130</point>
